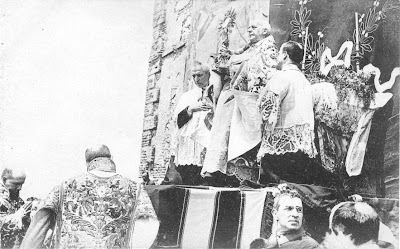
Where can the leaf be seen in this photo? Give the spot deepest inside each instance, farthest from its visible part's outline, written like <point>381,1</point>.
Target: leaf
<point>307,23</point>
<point>372,28</point>
<point>295,23</point>
<point>295,32</point>
<point>297,16</point>
<point>307,15</point>
<point>368,39</point>
<point>366,48</point>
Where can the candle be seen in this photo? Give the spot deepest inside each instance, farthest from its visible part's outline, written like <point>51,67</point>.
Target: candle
<point>305,50</point>
<point>357,46</point>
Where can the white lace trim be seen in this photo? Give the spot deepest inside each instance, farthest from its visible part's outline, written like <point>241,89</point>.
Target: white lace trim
<point>189,152</point>
<point>284,140</point>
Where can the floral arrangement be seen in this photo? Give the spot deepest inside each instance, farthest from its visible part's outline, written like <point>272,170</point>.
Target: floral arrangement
<point>347,82</point>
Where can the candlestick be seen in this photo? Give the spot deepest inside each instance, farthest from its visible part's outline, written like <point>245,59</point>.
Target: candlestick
<point>357,44</point>
<point>357,34</point>
<point>305,50</point>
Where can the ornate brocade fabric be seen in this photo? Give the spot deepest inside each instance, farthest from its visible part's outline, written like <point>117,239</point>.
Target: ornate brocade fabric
<point>11,233</point>
<point>96,212</point>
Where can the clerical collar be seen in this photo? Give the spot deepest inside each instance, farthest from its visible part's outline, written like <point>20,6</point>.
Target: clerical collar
<point>104,164</point>
<point>283,237</point>
<point>290,67</point>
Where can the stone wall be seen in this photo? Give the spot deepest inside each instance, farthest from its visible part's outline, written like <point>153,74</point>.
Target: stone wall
<point>166,75</point>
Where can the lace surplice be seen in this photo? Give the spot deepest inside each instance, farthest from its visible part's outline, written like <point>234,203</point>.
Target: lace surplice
<point>277,137</point>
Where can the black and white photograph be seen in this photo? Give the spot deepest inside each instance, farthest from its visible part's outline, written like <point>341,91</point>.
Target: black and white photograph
<point>204,124</point>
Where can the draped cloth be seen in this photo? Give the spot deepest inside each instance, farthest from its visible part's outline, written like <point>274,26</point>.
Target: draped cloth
<point>337,147</point>
<point>236,125</point>
<point>208,218</point>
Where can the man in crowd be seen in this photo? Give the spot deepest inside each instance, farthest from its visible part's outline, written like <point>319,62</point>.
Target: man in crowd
<point>287,228</point>
<point>146,179</point>
<point>288,120</point>
<point>233,147</point>
<point>353,225</point>
<point>14,215</point>
<point>93,210</point>
<point>192,133</point>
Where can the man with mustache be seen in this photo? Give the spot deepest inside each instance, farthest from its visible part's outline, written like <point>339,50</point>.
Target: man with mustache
<point>287,230</point>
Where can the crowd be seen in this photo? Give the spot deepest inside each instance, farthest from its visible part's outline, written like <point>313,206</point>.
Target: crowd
<point>99,208</point>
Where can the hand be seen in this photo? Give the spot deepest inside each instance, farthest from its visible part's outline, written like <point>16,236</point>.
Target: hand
<point>224,50</point>
<point>199,106</point>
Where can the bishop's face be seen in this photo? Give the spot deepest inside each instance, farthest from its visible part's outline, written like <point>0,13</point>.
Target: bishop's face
<point>256,32</point>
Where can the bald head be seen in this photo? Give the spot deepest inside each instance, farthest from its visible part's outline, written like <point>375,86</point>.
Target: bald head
<point>258,29</point>
<point>13,179</point>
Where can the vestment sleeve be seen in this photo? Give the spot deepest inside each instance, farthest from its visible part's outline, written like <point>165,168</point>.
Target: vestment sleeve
<point>183,117</point>
<point>269,108</point>
<point>52,200</point>
<point>37,233</point>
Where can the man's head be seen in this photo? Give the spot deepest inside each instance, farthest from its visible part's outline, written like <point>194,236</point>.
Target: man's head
<point>357,219</point>
<point>13,179</point>
<point>200,74</point>
<point>288,211</point>
<point>258,30</point>
<point>96,151</point>
<point>145,176</point>
<point>290,53</point>
<point>98,157</point>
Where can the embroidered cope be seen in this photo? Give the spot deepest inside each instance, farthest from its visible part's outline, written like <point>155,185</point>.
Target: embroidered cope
<point>95,211</point>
